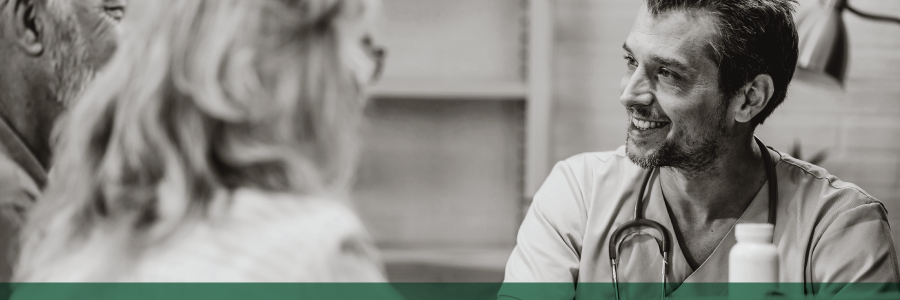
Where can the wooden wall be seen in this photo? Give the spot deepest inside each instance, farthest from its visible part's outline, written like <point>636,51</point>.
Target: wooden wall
<point>858,126</point>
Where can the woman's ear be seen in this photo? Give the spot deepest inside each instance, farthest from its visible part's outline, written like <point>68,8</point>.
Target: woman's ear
<point>757,94</point>
<point>27,28</point>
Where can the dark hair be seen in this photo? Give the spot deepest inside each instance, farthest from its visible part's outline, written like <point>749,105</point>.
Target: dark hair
<point>754,37</point>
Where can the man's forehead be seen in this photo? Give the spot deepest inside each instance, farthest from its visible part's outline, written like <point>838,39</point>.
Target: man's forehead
<point>679,34</point>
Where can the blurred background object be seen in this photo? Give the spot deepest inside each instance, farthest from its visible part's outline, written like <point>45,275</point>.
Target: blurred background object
<point>858,125</point>
<point>480,97</point>
<point>823,38</point>
<point>458,136</point>
<point>797,152</point>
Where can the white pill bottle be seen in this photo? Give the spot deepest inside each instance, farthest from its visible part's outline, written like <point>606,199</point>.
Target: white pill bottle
<point>754,259</point>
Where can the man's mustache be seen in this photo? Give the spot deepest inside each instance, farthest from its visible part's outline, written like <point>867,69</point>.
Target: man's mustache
<point>646,113</point>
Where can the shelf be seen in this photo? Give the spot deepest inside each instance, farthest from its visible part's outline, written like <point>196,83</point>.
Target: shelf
<point>450,89</point>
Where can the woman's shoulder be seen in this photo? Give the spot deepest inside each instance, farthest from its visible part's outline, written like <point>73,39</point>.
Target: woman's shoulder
<point>324,232</point>
<point>303,217</point>
<point>263,236</point>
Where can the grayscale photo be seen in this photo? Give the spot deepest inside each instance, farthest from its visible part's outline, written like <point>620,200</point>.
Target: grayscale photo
<point>449,149</point>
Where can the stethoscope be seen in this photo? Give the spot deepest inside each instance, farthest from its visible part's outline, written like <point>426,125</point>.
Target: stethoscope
<point>665,246</point>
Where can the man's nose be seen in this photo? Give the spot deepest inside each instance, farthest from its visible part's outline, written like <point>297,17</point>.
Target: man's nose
<point>636,89</point>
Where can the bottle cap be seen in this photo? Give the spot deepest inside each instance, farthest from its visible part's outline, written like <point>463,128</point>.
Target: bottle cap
<point>754,232</point>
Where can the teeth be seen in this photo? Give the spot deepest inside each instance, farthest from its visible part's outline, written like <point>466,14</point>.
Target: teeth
<point>644,125</point>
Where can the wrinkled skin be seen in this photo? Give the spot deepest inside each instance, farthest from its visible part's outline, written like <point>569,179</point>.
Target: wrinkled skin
<point>97,21</point>
<point>88,29</point>
<point>49,51</point>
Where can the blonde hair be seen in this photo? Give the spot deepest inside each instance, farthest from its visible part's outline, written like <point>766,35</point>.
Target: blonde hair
<point>203,97</point>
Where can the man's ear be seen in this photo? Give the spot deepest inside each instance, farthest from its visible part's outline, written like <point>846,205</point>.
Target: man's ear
<point>757,94</point>
<point>27,28</point>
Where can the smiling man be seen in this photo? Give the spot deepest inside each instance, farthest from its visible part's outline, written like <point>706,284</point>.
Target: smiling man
<point>49,50</point>
<point>700,76</point>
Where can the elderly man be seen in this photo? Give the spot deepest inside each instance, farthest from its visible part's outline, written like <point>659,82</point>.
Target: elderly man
<point>49,49</point>
<point>700,76</point>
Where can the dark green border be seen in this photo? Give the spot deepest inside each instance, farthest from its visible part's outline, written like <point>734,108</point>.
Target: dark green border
<point>441,291</point>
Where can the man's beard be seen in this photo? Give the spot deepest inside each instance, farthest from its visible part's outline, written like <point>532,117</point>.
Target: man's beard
<point>69,59</point>
<point>694,156</point>
<point>73,81</point>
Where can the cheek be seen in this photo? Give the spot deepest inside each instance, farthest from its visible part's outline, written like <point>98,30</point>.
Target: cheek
<point>687,119</point>
<point>102,49</point>
<point>703,121</point>
<point>358,62</point>
<point>99,33</point>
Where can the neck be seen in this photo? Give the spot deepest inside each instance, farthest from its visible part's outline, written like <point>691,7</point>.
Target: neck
<point>30,111</point>
<point>723,190</point>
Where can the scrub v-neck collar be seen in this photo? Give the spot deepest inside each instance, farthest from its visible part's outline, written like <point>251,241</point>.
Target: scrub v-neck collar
<point>715,268</point>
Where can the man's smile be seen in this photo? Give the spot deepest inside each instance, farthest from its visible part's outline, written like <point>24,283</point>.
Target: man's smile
<point>647,124</point>
<point>645,129</point>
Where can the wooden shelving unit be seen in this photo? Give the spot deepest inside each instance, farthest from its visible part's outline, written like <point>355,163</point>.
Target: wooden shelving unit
<point>534,87</point>
<point>519,40</point>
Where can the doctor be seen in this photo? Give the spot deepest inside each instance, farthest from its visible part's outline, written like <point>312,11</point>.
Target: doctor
<point>700,76</point>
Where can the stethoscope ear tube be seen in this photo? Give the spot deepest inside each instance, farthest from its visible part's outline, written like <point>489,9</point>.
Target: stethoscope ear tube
<point>638,213</point>
<point>772,178</point>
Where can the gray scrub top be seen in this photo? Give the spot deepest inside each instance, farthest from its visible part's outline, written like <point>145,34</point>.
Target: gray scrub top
<point>827,231</point>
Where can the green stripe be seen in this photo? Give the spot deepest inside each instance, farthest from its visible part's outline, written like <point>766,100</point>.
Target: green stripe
<point>441,291</point>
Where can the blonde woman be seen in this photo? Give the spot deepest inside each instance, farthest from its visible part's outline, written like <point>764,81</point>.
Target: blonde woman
<point>217,146</point>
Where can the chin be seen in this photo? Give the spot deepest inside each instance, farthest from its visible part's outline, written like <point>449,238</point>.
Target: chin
<point>641,154</point>
<point>642,147</point>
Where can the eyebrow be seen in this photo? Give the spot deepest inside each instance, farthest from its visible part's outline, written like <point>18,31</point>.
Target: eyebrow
<point>662,60</point>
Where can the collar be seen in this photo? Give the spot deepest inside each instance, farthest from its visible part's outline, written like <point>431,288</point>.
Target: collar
<point>710,271</point>
<point>13,146</point>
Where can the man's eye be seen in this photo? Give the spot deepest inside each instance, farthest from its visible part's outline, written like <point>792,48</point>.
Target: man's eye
<point>667,73</point>
<point>631,61</point>
<point>115,12</point>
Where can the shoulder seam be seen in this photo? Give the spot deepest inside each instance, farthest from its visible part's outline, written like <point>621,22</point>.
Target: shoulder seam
<point>831,183</point>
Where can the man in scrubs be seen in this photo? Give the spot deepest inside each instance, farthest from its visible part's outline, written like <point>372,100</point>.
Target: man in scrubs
<point>49,50</point>
<point>700,75</point>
